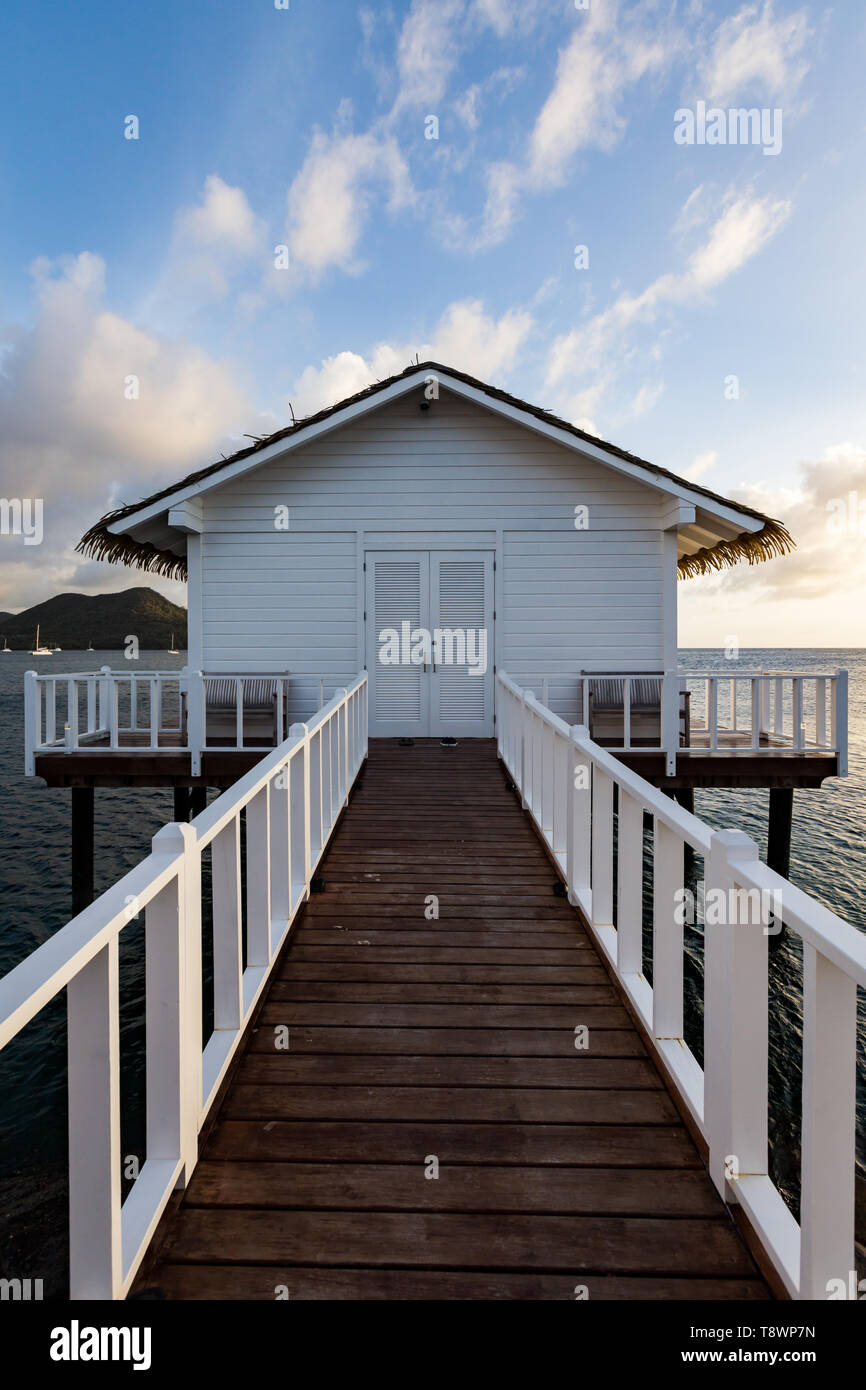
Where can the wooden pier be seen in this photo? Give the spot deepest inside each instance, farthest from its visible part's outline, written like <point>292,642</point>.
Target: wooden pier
<point>419,1045</point>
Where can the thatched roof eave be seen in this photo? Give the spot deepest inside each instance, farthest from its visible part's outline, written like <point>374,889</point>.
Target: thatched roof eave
<point>772,540</point>
<point>101,543</point>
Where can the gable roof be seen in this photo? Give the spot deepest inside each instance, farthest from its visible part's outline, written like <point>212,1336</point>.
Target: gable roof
<point>761,538</point>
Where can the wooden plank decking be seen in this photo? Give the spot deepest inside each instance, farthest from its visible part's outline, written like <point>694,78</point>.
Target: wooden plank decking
<point>413,1039</point>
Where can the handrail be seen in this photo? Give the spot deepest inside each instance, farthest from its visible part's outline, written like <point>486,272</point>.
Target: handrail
<point>744,712</point>
<point>586,804</point>
<point>291,800</point>
<point>71,712</point>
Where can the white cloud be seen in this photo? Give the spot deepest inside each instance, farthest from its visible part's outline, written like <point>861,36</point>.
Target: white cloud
<point>646,397</point>
<point>745,226</point>
<point>214,242</point>
<point>466,106</point>
<point>692,213</point>
<point>756,55</point>
<point>813,597</point>
<point>428,50</point>
<point>465,337</point>
<point>329,200</point>
<point>222,218</point>
<point>605,57</point>
<point>608,54</point>
<point>507,16</point>
<point>68,433</point>
<point>701,464</point>
<point>499,83</point>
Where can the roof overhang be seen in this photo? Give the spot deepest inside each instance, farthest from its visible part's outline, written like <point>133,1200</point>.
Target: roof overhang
<point>712,532</point>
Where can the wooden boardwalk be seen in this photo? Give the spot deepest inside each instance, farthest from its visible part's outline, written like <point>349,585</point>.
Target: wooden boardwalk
<point>417,1043</point>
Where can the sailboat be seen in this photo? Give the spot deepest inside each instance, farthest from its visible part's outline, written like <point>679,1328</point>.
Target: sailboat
<point>172,651</point>
<point>90,646</point>
<point>57,649</point>
<point>7,650</point>
<point>40,651</point>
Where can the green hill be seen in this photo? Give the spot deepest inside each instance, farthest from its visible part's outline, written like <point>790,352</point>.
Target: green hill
<point>73,621</point>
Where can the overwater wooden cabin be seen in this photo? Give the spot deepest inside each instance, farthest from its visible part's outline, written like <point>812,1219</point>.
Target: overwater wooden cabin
<point>435,1076</point>
<point>433,503</point>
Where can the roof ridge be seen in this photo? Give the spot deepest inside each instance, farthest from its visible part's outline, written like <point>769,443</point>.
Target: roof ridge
<point>99,543</point>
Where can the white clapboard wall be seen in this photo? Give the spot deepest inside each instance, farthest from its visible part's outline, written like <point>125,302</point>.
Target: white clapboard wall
<point>456,476</point>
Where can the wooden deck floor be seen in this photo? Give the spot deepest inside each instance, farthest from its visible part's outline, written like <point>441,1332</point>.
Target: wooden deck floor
<point>451,1039</point>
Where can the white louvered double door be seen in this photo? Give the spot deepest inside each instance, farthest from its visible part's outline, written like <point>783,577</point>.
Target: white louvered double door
<point>429,636</point>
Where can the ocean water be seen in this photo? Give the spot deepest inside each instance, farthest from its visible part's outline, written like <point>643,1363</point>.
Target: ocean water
<point>828,860</point>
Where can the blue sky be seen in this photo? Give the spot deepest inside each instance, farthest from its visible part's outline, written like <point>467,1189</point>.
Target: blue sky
<point>305,128</point>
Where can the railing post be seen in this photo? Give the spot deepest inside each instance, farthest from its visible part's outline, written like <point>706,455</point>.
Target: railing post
<point>602,848</point>
<point>343,754</point>
<point>713,712</point>
<point>111,713</point>
<point>71,730</point>
<point>821,712</point>
<point>178,840</point>
<point>562,774</point>
<point>779,706</point>
<point>93,1046</point>
<point>629,873</point>
<point>548,781</point>
<point>829,1125</point>
<point>301,731</point>
<point>31,722</point>
<point>50,710</point>
<point>280,874</point>
<point>735,1018</point>
<point>626,713</point>
<point>365,714</point>
<point>228,1004</point>
<point>578,819</point>
<point>259,878</point>
<point>524,760</point>
<point>104,689</point>
<point>670,720</point>
<point>154,711</point>
<point>668,876</point>
<point>195,719</point>
<point>841,721</point>
<point>798,730</point>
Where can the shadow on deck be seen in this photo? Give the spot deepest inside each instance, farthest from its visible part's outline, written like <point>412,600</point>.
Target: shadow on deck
<point>415,1043</point>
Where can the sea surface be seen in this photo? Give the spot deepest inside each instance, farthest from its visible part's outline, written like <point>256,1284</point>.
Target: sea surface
<point>828,860</point>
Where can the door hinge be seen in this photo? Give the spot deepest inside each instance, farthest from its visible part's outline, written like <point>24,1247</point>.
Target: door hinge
<point>494,615</point>
<point>365,565</point>
<point>365,615</point>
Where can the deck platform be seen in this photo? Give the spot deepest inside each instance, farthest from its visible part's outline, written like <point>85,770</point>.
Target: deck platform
<point>413,1040</point>
<point>133,763</point>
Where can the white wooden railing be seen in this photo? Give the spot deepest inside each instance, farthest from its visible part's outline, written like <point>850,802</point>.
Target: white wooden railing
<point>569,786</point>
<point>146,710</point>
<point>771,712</point>
<point>291,801</point>
<point>774,711</point>
<point>75,711</point>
